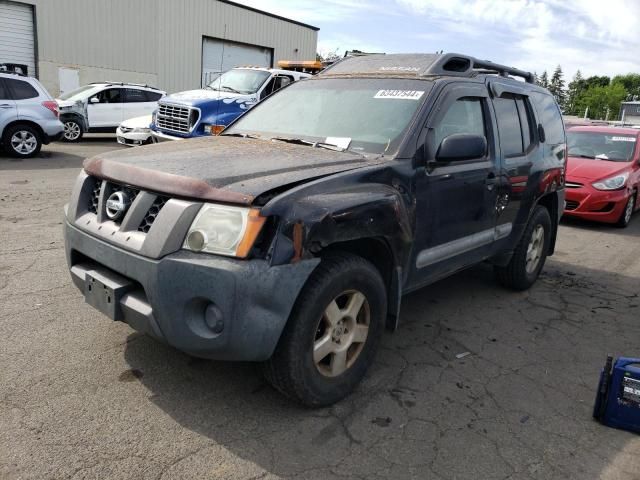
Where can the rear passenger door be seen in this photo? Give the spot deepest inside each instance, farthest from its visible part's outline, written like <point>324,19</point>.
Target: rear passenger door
<point>455,211</point>
<point>8,110</point>
<point>139,102</point>
<point>519,150</point>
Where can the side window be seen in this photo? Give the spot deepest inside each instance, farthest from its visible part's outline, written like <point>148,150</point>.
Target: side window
<point>463,116</point>
<point>526,121</point>
<point>152,96</point>
<point>509,129</point>
<point>4,94</point>
<point>21,90</point>
<point>110,95</point>
<point>133,95</point>
<point>268,89</point>
<point>550,117</point>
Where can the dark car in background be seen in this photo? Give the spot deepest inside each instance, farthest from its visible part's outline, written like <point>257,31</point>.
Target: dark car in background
<point>291,238</point>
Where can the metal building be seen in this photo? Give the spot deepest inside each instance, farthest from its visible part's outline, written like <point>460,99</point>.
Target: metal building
<point>630,113</point>
<point>172,44</point>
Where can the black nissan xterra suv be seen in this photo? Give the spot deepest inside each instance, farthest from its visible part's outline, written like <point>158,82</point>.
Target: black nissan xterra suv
<point>291,238</point>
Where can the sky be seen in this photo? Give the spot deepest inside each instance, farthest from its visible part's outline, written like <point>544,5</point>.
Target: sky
<point>599,37</point>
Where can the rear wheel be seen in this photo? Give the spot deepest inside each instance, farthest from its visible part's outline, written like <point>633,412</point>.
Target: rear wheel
<point>22,141</point>
<point>72,130</point>
<point>530,254</point>
<point>625,216</point>
<point>332,334</point>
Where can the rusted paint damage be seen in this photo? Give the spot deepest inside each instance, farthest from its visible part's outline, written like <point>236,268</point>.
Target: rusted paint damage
<point>168,183</point>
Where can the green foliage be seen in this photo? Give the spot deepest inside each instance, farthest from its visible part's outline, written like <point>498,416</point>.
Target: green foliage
<point>544,80</point>
<point>556,86</point>
<point>600,100</point>
<point>631,83</point>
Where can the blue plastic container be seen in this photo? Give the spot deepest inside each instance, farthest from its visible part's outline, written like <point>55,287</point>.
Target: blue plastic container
<point>618,399</point>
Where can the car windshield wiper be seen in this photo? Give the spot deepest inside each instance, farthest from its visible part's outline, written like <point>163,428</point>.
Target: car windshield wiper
<point>581,156</point>
<point>300,141</point>
<point>230,89</point>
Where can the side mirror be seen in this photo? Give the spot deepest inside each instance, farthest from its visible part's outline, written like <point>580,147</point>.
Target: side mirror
<point>461,146</point>
<point>94,100</point>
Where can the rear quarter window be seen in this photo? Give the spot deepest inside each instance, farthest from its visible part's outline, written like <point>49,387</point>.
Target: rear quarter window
<point>550,117</point>
<point>21,90</point>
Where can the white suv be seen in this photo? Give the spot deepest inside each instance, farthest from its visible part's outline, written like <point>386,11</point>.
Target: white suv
<point>28,115</point>
<point>101,107</point>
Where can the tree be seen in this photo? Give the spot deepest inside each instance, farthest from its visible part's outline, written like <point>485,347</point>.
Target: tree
<point>596,81</point>
<point>631,83</point>
<point>602,101</point>
<point>575,89</point>
<point>544,80</point>
<point>556,86</point>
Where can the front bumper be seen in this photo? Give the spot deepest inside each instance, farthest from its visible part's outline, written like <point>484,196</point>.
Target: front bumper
<point>588,203</point>
<point>133,138</point>
<point>172,298</point>
<point>164,137</point>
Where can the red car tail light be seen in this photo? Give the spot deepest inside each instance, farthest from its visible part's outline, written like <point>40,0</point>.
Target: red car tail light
<point>53,106</point>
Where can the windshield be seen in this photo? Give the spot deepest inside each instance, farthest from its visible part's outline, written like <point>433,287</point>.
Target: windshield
<point>601,146</point>
<point>240,81</point>
<point>78,94</point>
<point>366,115</point>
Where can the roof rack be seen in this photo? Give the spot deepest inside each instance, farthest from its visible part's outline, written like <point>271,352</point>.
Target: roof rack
<point>453,63</point>
<point>123,84</point>
<point>423,64</point>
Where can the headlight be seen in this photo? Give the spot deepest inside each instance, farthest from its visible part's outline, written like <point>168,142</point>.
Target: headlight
<point>224,230</point>
<point>612,183</point>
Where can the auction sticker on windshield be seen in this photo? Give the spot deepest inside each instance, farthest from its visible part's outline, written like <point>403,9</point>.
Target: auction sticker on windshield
<point>401,94</point>
<point>623,139</point>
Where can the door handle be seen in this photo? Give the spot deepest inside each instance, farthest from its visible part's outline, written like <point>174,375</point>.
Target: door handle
<point>5,105</point>
<point>491,181</point>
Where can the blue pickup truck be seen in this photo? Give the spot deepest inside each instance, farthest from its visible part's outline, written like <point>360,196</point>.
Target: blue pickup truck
<point>208,111</point>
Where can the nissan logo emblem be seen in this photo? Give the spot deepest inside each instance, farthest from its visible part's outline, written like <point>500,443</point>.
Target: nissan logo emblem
<point>117,205</point>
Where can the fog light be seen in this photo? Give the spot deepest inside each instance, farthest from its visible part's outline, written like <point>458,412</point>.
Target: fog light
<point>196,240</point>
<point>213,318</point>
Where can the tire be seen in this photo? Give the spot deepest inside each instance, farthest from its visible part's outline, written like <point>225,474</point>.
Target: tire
<point>625,216</point>
<point>22,141</point>
<point>72,131</point>
<point>522,271</point>
<point>337,282</point>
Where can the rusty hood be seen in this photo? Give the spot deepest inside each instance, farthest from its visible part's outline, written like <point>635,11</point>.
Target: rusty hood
<point>226,169</point>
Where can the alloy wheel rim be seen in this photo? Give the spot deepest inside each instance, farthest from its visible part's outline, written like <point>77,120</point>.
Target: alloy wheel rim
<point>71,130</point>
<point>534,249</point>
<point>24,142</point>
<point>629,210</point>
<point>341,333</point>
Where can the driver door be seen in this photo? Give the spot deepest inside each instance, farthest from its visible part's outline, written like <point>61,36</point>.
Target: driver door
<point>107,111</point>
<point>456,200</point>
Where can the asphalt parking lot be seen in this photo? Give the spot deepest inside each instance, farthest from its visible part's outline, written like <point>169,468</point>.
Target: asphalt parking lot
<point>84,397</point>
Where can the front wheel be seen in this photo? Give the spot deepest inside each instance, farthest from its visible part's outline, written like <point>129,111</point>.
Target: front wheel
<point>625,217</point>
<point>22,141</point>
<point>72,131</point>
<point>530,254</point>
<point>332,334</point>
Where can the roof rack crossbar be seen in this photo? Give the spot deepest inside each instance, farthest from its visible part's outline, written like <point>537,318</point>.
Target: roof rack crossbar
<point>503,70</point>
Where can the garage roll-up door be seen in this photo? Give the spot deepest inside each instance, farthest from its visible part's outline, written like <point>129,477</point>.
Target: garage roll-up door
<point>17,39</point>
<point>220,55</point>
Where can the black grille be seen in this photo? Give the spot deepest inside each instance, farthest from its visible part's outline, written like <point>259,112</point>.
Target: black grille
<point>571,205</point>
<point>95,197</point>
<point>153,212</point>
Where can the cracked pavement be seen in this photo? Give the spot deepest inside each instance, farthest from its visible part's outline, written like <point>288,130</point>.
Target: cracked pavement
<point>82,397</point>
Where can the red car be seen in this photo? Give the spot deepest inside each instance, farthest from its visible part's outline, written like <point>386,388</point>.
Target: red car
<point>603,174</point>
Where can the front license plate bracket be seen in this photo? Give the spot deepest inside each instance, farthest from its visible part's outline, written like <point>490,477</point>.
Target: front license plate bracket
<point>103,290</point>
